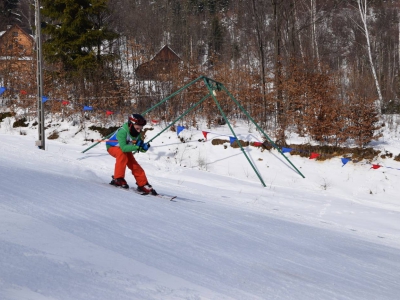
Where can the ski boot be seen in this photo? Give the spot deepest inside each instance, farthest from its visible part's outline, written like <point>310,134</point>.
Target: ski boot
<point>119,182</point>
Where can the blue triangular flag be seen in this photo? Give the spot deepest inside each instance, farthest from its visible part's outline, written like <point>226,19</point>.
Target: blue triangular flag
<point>284,150</point>
<point>232,139</point>
<point>345,160</point>
<point>87,108</point>
<point>2,90</point>
<point>44,99</point>
<point>179,129</point>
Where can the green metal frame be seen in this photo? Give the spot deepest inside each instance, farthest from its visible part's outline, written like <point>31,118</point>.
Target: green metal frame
<point>181,116</point>
<point>219,86</point>
<point>150,109</point>
<point>212,87</point>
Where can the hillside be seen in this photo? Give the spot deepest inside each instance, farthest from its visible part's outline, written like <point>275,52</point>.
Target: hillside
<point>66,234</point>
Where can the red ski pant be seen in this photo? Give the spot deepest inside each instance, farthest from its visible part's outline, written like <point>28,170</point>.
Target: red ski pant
<point>126,159</point>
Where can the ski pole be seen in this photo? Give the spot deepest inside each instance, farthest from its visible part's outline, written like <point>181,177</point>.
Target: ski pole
<point>100,141</point>
<point>97,143</point>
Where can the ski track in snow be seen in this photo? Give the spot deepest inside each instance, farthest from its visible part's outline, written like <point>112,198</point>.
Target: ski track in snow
<point>66,235</point>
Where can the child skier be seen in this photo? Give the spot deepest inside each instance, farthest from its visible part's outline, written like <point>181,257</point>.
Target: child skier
<point>124,141</point>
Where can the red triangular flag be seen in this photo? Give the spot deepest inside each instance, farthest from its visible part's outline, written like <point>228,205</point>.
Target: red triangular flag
<point>109,112</point>
<point>314,155</point>
<point>257,144</point>
<point>205,134</point>
<point>375,166</point>
<point>154,121</point>
<point>23,92</point>
<point>65,102</point>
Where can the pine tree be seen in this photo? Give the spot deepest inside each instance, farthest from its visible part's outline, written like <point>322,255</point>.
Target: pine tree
<point>78,34</point>
<point>8,13</point>
<point>216,36</point>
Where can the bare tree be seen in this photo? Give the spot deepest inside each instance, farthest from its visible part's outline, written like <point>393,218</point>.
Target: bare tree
<point>363,10</point>
<point>313,12</point>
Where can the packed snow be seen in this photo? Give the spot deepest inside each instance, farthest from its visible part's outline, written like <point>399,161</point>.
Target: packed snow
<point>66,234</point>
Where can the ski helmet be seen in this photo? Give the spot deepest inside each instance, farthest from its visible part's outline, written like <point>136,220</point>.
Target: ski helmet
<point>137,119</point>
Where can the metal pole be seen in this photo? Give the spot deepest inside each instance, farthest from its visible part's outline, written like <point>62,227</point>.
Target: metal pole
<point>258,127</point>
<point>213,94</point>
<point>172,95</point>
<point>153,107</point>
<point>39,77</point>
<point>182,115</point>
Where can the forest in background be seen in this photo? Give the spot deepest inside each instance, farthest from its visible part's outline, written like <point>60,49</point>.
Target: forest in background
<point>326,69</point>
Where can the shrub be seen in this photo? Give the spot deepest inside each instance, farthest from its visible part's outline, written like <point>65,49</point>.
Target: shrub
<point>103,131</point>
<point>5,115</point>
<point>20,123</point>
<point>54,135</point>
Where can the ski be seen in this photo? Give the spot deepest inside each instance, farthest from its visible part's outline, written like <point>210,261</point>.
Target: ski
<point>167,197</point>
<point>163,196</point>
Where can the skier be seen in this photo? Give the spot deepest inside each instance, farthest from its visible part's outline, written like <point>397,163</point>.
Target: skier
<point>124,141</point>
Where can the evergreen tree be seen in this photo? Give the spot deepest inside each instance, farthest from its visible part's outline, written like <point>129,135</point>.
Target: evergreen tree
<point>79,35</point>
<point>216,36</point>
<point>8,13</point>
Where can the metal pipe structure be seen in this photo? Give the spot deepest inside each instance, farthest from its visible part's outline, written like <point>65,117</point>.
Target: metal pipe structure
<point>39,77</point>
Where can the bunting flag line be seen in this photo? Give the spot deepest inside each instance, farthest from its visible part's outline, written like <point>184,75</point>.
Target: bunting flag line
<point>3,89</point>
<point>377,166</point>
<point>313,155</point>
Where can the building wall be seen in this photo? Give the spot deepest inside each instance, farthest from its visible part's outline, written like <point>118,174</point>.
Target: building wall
<point>17,63</point>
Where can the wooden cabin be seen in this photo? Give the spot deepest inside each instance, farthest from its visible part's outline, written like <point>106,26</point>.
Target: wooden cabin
<point>16,49</point>
<point>161,67</point>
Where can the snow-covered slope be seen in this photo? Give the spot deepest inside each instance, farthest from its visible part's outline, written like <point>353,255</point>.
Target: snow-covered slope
<point>66,234</point>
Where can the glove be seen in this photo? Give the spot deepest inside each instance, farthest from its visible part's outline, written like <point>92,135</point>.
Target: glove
<point>145,146</point>
<point>139,143</point>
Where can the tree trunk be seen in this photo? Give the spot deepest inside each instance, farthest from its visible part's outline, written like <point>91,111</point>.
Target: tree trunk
<point>260,43</point>
<point>362,7</point>
<point>280,116</point>
<point>313,32</point>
